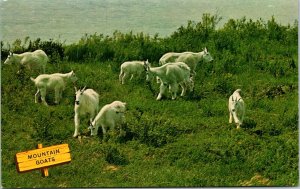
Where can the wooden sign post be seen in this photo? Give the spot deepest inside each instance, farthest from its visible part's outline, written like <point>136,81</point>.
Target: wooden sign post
<point>42,158</point>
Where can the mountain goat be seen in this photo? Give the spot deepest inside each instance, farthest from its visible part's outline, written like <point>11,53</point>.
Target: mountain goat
<point>86,103</point>
<point>172,75</point>
<point>56,82</point>
<point>109,116</point>
<point>236,108</point>
<point>130,69</point>
<point>36,60</point>
<point>190,58</point>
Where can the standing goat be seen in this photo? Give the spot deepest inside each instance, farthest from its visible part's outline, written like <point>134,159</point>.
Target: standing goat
<point>172,75</point>
<point>130,69</point>
<point>36,60</point>
<point>190,58</point>
<point>56,82</point>
<point>86,103</point>
<point>109,116</point>
<point>236,108</point>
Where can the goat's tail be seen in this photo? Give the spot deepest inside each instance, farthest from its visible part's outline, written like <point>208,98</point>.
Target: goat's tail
<point>238,90</point>
<point>32,79</point>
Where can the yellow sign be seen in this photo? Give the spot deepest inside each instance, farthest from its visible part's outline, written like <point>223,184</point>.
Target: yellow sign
<point>43,157</point>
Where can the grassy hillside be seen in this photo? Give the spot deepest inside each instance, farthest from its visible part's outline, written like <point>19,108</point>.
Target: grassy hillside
<point>185,142</point>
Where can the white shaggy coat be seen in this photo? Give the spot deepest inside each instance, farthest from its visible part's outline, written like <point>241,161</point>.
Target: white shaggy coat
<point>86,104</point>
<point>172,75</point>
<point>236,108</point>
<point>109,116</point>
<point>131,69</point>
<point>56,82</point>
<point>190,58</point>
<point>36,60</point>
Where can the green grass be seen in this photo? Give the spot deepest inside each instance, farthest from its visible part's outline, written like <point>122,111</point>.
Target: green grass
<point>186,142</point>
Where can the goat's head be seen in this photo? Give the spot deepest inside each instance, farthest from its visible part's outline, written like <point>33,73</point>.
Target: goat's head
<point>10,59</point>
<point>147,66</point>
<point>206,56</point>
<point>72,76</point>
<point>234,103</point>
<point>78,94</point>
<point>120,107</point>
<point>92,128</point>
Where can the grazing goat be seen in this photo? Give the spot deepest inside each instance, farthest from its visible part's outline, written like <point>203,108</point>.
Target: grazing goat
<point>86,103</point>
<point>36,60</point>
<point>109,116</point>
<point>56,82</point>
<point>172,75</point>
<point>130,69</point>
<point>236,108</point>
<point>190,58</point>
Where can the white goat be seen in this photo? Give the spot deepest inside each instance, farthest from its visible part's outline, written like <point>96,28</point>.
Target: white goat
<point>109,116</point>
<point>190,58</point>
<point>86,103</point>
<point>36,60</point>
<point>236,108</point>
<point>56,82</point>
<point>130,69</point>
<point>172,75</point>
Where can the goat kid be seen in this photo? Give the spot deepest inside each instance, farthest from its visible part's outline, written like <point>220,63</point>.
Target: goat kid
<point>109,117</point>
<point>56,82</point>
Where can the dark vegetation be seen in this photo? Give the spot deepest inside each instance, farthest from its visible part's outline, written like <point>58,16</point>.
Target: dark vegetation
<point>186,142</point>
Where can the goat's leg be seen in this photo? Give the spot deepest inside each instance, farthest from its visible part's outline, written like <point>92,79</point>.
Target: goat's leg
<point>240,121</point>
<point>191,84</point>
<point>103,130</point>
<point>105,137</point>
<point>131,77</point>
<point>236,120</point>
<point>183,88</point>
<point>77,123</point>
<point>162,90</point>
<point>230,117</point>
<point>57,96</point>
<point>37,96</point>
<point>125,76</point>
<point>43,95</point>
<point>174,89</point>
